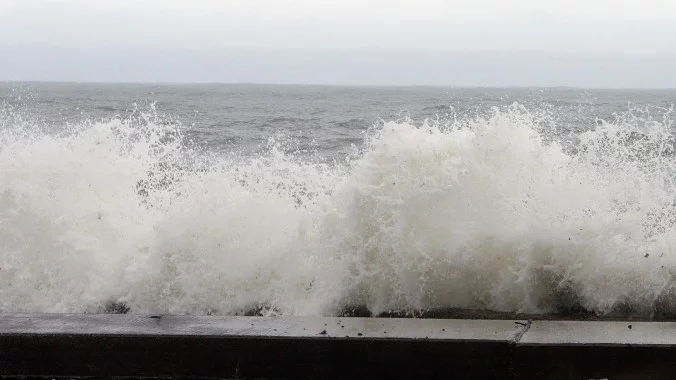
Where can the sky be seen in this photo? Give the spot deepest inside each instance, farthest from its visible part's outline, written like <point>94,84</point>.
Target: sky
<point>592,43</point>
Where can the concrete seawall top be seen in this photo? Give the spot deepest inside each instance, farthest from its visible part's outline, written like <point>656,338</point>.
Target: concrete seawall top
<point>104,345</point>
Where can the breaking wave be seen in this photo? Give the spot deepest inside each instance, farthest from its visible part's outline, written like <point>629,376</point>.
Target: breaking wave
<point>491,212</point>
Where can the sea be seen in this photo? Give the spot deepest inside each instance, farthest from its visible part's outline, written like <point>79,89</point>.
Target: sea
<point>304,200</point>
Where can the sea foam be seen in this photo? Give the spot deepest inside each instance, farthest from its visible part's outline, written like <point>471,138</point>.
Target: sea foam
<point>486,212</point>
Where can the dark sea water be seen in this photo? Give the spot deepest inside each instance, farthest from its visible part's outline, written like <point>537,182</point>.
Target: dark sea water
<point>328,118</point>
<point>302,200</point>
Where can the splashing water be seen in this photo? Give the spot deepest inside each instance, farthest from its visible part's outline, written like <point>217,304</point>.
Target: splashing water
<point>482,212</point>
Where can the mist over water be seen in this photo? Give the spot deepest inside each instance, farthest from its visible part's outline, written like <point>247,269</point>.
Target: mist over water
<point>302,201</point>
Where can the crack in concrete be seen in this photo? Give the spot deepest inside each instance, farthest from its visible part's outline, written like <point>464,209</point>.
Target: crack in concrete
<point>525,326</point>
<point>523,329</point>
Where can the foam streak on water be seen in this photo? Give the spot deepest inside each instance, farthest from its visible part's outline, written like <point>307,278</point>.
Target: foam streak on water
<point>478,213</point>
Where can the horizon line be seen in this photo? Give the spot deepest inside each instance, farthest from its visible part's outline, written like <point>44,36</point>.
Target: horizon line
<point>327,84</point>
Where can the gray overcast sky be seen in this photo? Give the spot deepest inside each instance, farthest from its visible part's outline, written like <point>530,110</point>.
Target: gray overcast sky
<point>599,43</point>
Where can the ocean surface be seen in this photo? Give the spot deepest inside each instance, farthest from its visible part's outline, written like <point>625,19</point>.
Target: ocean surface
<point>305,200</point>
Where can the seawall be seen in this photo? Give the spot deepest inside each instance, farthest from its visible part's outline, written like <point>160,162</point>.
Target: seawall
<point>105,345</point>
